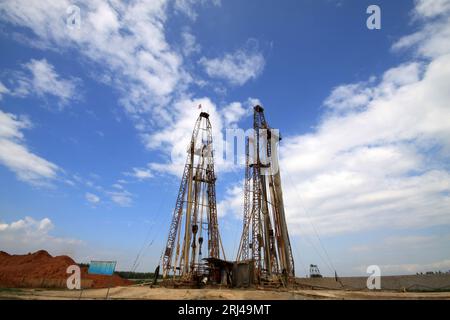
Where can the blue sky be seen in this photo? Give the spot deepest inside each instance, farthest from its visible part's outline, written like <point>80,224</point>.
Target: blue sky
<point>89,118</point>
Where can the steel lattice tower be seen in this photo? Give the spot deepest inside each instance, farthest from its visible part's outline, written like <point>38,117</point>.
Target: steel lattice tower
<point>265,239</point>
<point>194,222</point>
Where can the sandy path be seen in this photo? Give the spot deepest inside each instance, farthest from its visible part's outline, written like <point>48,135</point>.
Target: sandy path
<point>213,294</point>
<point>153,294</point>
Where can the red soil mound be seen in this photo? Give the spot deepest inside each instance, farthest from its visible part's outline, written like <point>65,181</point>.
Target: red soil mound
<point>40,269</point>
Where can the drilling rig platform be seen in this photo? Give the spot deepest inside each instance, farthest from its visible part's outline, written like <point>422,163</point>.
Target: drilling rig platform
<point>194,254</point>
<point>265,254</point>
<point>194,249</point>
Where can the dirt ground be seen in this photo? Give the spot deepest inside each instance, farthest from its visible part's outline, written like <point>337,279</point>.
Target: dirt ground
<point>40,269</point>
<point>147,293</point>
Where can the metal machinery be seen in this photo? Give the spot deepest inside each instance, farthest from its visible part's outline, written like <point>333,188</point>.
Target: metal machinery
<point>194,233</point>
<point>265,243</point>
<point>315,273</point>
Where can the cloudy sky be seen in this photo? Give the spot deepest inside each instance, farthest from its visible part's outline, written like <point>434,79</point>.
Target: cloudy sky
<point>92,111</point>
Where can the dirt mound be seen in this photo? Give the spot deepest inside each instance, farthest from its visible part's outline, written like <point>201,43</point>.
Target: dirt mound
<point>40,270</point>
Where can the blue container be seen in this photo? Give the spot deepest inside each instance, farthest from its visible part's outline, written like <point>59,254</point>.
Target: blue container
<point>102,267</point>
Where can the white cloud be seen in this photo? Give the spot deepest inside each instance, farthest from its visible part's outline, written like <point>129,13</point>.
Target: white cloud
<point>3,90</point>
<point>413,243</point>
<point>190,45</point>
<point>92,198</point>
<point>411,268</point>
<point>397,253</point>
<point>174,139</point>
<point>14,154</point>
<point>238,67</point>
<point>41,79</point>
<point>129,48</point>
<point>128,43</point>
<point>116,193</point>
<point>431,8</point>
<point>122,198</point>
<point>252,102</point>
<point>432,39</point>
<point>233,202</point>
<point>29,235</point>
<point>141,173</point>
<point>350,96</point>
<point>117,186</point>
<point>234,112</point>
<point>383,163</point>
<point>376,167</point>
<point>187,7</point>
<point>44,80</point>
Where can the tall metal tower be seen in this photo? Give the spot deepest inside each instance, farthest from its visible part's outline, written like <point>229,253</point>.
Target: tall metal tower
<point>194,232</point>
<point>265,239</point>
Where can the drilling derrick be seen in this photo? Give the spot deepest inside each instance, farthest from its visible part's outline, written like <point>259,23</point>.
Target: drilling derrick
<point>194,232</point>
<point>265,239</point>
